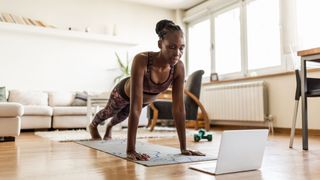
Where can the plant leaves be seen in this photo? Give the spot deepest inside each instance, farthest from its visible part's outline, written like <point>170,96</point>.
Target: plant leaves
<point>122,66</point>
<point>125,68</point>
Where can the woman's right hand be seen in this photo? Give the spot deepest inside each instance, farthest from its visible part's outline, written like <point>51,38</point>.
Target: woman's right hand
<point>134,156</point>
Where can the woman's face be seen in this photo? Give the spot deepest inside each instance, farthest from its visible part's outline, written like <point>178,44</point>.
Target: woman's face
<point>172,46</point>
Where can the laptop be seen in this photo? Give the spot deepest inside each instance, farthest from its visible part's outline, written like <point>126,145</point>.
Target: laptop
<point>240,150</point>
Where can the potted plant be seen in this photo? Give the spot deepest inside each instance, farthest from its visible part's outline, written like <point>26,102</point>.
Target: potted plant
<point>124,68</point>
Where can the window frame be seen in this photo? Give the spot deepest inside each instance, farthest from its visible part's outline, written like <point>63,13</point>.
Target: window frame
<point>203,18</point>
<point>245,72</point>
<point>274,69</point>
<point>215,14</point>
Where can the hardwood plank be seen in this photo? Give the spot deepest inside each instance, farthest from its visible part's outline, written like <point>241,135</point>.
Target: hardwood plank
<point>33,157</point>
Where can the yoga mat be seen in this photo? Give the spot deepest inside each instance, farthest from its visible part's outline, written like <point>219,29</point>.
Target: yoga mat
<point>159,155</point>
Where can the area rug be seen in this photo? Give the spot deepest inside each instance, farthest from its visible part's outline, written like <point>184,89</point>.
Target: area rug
<point>142,133</point>
<point>159,155</point>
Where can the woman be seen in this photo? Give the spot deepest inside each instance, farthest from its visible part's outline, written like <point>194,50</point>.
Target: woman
<point>151,74</point>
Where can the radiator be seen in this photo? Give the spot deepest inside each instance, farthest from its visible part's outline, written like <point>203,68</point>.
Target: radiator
<point>237,101</point>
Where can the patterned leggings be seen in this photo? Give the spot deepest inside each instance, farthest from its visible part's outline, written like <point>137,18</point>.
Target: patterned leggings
<point>118,106</point>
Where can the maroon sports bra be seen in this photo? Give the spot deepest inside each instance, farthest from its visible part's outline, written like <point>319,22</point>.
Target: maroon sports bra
<point>150,87</point>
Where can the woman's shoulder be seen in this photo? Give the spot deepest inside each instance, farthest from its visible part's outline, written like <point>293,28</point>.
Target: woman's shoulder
<point>142,57</point>
<point>179,65</point>
<point>144,54</point>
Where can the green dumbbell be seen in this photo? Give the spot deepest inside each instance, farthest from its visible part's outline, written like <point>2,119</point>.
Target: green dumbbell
<point>201,135</point>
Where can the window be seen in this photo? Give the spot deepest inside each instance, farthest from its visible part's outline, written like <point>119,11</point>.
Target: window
<point>227,42</point>
<point>245,37</point>
<point>199,47</point>
<point>308,28</point>
<point>263,34</point>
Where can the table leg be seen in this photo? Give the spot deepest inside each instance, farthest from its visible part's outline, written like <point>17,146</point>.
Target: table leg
<point>304,105</point>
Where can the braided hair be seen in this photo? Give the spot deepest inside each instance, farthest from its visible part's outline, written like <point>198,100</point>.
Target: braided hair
<point>164,26</point>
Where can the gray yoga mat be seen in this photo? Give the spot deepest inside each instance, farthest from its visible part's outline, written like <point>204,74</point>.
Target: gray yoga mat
<point>159,155</point>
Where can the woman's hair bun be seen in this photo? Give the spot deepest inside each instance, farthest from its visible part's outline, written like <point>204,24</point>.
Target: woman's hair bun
<point>161,25</point>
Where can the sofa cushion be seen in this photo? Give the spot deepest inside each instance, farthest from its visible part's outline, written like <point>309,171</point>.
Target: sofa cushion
<point>37,110</point>
<point>28,97</point>
<point>8,109</point>
<point>67,111</point>
<point>3,97</point>
<point>80,99</point>
<point>61,98</point>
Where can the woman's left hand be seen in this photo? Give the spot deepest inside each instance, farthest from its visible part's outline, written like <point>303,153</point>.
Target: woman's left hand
<point>191,153</point>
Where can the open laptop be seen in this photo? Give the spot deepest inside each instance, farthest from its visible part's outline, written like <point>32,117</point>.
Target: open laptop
<point>240,150</point>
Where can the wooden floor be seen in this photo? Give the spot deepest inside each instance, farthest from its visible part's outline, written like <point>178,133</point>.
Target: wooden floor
<point>32,157</point>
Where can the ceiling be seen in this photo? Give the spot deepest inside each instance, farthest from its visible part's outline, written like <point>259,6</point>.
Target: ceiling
<point>169,4</point>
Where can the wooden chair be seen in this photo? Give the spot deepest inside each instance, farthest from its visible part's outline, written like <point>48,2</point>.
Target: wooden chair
<point>163,109</point>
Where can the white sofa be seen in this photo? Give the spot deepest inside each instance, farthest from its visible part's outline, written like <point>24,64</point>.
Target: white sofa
<point>53,109</point>
<point>10,120</point>
<point>64,114</point>
<point>44,110</point>
<point>37,112</point>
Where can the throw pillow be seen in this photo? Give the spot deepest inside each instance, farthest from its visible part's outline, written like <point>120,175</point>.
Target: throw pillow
<point>80,99</point>
<point>3,97</point>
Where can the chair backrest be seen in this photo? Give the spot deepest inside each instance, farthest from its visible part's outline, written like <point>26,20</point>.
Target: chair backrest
<point>298,87</point>
<point>312,88</point>
<point>193,85</point>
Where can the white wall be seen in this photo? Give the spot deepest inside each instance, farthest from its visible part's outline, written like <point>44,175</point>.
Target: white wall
<point>44,62</point>
<point>281,98</point>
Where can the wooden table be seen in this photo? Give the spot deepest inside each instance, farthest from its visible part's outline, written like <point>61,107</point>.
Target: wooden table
<point>306,55</point>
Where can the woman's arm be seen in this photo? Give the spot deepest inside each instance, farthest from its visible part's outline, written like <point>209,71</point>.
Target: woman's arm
<point>178,104</point>
<point>136,100</point>
<point>179,114</point>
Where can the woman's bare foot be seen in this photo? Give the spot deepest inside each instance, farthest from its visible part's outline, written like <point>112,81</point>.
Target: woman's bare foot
<point>134,156</point>
<point>107,136</point>
<point>94,132</point>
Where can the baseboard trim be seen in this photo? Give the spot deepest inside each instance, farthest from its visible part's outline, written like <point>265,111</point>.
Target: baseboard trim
<point>7,139</point>
<point>313,132</point>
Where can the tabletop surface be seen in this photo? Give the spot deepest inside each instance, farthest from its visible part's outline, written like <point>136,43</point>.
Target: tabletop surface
<point>309,52</point>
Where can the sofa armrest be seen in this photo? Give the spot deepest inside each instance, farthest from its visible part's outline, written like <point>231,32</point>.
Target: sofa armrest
<point>11,109</point>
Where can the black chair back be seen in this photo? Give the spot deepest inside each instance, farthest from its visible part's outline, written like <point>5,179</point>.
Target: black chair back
<point>193,85</point>
<point>298,87</point>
